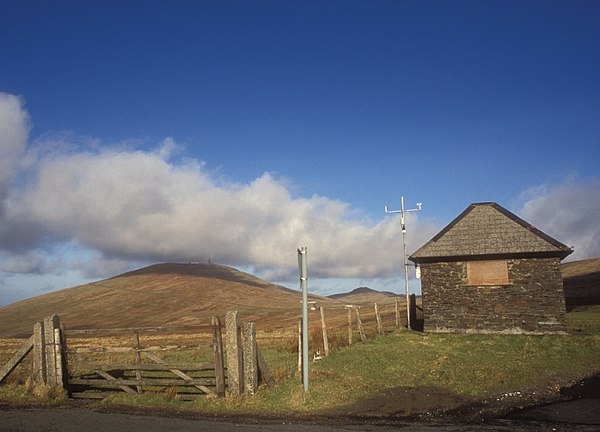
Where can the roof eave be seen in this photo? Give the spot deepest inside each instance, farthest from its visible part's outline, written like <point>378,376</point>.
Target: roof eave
<point>562,254</point>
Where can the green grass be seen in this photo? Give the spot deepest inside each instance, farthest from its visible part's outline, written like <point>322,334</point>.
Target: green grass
<point>585,319</point>
<point>473,365</point>
<point>468,365</point>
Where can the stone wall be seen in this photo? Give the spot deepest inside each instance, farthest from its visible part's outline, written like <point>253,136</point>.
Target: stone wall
<point>532,302</point>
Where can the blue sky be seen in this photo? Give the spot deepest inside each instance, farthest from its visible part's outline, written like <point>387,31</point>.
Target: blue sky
<point>137,132</point>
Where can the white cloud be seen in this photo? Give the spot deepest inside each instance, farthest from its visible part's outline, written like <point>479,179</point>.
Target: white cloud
<point>568,212</point>
<point>139,206</point>
<point>119,205</point>
<point>32,262</point>
<point>14,130</point>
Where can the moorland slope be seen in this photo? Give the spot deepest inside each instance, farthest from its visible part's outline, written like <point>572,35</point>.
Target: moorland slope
<point>166,294</point>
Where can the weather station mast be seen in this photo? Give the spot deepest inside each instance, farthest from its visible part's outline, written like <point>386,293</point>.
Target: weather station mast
<point>402,212</point>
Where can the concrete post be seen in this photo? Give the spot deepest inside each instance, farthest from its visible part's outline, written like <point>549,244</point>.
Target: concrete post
<point>250,358</point>
<point>235,368</point>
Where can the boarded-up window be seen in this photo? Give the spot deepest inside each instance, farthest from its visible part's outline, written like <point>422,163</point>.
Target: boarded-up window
<point>487,273</point>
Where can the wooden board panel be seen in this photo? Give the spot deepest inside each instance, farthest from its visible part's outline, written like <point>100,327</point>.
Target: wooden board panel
<point>487,273</point>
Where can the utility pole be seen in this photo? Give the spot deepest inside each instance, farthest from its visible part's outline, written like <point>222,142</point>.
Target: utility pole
<point>402,212</point>
<point>303,284</point>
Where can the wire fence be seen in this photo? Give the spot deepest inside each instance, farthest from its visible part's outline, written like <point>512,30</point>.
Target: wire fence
<point>341,326</point>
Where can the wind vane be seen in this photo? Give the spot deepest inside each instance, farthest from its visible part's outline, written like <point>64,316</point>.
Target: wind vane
<point>402,211</point>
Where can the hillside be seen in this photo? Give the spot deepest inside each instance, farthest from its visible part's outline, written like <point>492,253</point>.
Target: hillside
<point>582,282</point>
<point>365,296</point>
<point>161,295</point>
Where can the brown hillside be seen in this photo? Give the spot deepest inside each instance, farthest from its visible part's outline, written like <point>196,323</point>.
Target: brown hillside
<point>161,295</point>
<point>582,282</point>
<point>364,296</point>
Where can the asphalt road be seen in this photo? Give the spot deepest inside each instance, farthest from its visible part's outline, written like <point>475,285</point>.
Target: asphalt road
<point>85,420</point>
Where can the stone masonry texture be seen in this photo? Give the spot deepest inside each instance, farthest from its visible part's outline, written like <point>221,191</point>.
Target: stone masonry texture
<point>532,301</point>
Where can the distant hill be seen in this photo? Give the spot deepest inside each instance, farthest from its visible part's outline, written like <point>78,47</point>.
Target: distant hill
<point>365,296</point>
<point>582,282</point>
<point>161,295</point>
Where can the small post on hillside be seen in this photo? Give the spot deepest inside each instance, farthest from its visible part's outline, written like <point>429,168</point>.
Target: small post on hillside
<point>378,318</point>
<point>303,284</point>
<point>218,356</point>
<point>349,308</point>
<point>361,329</point>
<point>324,329</point>
<point>402,212</point>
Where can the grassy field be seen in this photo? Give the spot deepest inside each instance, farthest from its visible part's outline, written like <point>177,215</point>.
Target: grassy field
<point>469,366</point>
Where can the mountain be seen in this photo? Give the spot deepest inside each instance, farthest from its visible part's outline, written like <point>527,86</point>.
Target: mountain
<point>365,296</point>
<point>161,295</point>
<point>582,282</point>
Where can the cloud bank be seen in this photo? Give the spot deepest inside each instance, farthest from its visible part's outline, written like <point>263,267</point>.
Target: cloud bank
<point>104,208</point>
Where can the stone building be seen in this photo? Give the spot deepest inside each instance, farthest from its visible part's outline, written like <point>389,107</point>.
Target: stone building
<point>489,271</point>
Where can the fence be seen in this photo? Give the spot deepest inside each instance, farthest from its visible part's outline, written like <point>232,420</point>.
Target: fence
<point>191,361</point>
<point>330,329</point>
<point>98,362</point>
<point>359,322</point>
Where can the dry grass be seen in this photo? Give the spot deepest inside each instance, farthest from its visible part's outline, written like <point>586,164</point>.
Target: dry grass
<point>580,268</point>
<point>165,295</point>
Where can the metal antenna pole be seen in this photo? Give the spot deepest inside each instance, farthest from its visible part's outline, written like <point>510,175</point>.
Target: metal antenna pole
<point>402,212</point>
<point>303,283</point>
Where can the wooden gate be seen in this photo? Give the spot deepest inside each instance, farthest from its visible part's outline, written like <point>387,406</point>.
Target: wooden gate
<point>97,363</point>
<point>98,368</point>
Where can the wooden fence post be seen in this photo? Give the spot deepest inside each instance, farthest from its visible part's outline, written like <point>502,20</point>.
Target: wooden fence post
<point>324,328</point>
<point>218,356</point>
<point>349,308</point>
<point>378,318</point>
<point>250,358</point>
<point>235,369</point>
<point>264,373</point>
<point>397,314</point>
<point>413,312</point>
<point>39,354</point>
<point>137,359</point>
<point>361,330</point>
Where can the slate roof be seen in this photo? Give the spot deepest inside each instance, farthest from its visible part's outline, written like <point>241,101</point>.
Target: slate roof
<point>486,231</point>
